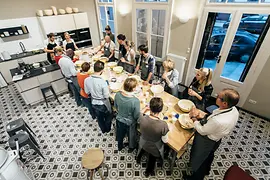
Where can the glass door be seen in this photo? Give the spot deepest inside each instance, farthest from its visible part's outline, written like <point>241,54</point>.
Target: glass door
<point>229,46</point>
<point>106,17</point>
<point>158,32</point>
<point>141,27</point>
<point>150,29</point>
<point>246,43</point>
<point>213,38</point>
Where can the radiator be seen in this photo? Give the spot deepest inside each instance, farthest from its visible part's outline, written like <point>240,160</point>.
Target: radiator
<point>180,62</point>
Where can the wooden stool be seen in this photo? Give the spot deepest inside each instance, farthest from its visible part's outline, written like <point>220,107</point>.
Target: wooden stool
<point>92,160</point>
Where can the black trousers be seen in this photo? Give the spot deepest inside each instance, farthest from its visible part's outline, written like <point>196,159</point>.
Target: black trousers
<point>122,130</point>
<point>87,102</point>
<point>104,117</point>
<point>151,162</point>
<point>205,168</point>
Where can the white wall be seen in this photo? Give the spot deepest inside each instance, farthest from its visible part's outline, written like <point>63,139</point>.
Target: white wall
<point>25,9</point>
<point>33,40</point>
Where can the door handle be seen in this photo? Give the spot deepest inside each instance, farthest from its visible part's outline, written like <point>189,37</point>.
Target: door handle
<point>218,59</point>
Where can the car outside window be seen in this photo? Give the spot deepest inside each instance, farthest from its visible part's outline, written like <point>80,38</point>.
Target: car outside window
<point>215,40</point>
<point>252,18</point>
<point>243,41</point>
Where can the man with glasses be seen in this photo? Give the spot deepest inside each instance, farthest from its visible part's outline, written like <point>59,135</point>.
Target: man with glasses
<point>210,129</point>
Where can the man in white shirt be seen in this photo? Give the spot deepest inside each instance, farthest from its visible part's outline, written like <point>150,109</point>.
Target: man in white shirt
<point>69,71</point>
<point>210,130</point>
<point>108,48</point>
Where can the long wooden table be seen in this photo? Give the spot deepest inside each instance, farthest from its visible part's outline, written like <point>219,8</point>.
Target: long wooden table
<point>177,136</point>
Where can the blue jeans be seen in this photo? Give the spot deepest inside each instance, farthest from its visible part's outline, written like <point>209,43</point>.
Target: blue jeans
<point>104,117</point>
<point>122,130</point>
<point>76,90</point>
<point>88,104</point>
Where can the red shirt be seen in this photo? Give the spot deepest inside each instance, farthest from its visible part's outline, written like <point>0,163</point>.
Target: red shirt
<point>57,58</point>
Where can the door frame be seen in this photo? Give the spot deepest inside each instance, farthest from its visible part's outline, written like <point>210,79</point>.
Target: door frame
<point>106,4</point>
<point>262,54</point>
<point>149,6</point>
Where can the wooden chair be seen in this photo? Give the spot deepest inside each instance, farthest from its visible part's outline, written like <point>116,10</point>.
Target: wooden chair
<point>92,160</point>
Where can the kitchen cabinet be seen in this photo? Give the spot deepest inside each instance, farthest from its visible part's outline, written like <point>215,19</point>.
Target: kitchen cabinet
<point>32,96</point>
<point>81,20</point>
<point>45,78</point>
<point>62,23</point>
<point>66,22</point>
<point>30,88</point>
<point>28,84</point>
<point>50,24</point>
<point>35,58</point>
<point>59,86</point>
<point>7,65</point>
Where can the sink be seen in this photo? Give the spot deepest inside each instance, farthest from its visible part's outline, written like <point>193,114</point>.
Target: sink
<point>26,53</point>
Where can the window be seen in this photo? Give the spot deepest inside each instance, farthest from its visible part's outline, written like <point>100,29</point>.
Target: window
<point>151,25</point>
<point>252,18</point>
<point>217,1</point>
<point>105,1</point>
<point>151,0</point>
<point>215,40</point>
<point>239,1</point>
<point>244,41</point>
<point>105,9</point>
<point>243,1</point>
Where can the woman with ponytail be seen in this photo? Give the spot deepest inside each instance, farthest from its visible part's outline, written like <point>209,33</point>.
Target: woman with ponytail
<point>128,61</point>
<point>200,89</point>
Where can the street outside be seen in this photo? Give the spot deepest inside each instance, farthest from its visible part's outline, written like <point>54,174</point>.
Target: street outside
<point>242,47</point>
<point>232,69</point>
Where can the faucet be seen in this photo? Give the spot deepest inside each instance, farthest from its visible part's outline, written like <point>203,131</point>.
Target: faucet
<point>22,46</point>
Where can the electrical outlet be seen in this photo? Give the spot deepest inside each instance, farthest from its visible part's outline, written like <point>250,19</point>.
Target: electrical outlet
<point>188,50</point>
<point>252,101</point>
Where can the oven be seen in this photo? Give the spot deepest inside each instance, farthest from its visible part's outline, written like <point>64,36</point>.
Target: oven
<point>83,34</point>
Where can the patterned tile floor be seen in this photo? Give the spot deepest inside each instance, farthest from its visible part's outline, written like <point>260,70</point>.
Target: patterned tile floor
<point>65,132</point>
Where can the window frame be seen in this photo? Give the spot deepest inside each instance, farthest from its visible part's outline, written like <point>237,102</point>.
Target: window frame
<point>149,7</point>
<point>158,2</point>
<point>106,4</point>
<point>226,3</point>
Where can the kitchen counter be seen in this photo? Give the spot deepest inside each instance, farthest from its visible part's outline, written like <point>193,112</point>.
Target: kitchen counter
<point>24,55</point>
<point>36,71</point>
<point>29,85</point>
<point>6,65</point>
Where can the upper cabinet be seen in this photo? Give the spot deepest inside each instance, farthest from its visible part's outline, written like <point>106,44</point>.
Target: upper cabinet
<point>81,20</point>
<point>50,24</point>
<point>66,22</point>
<point>62,23</point>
